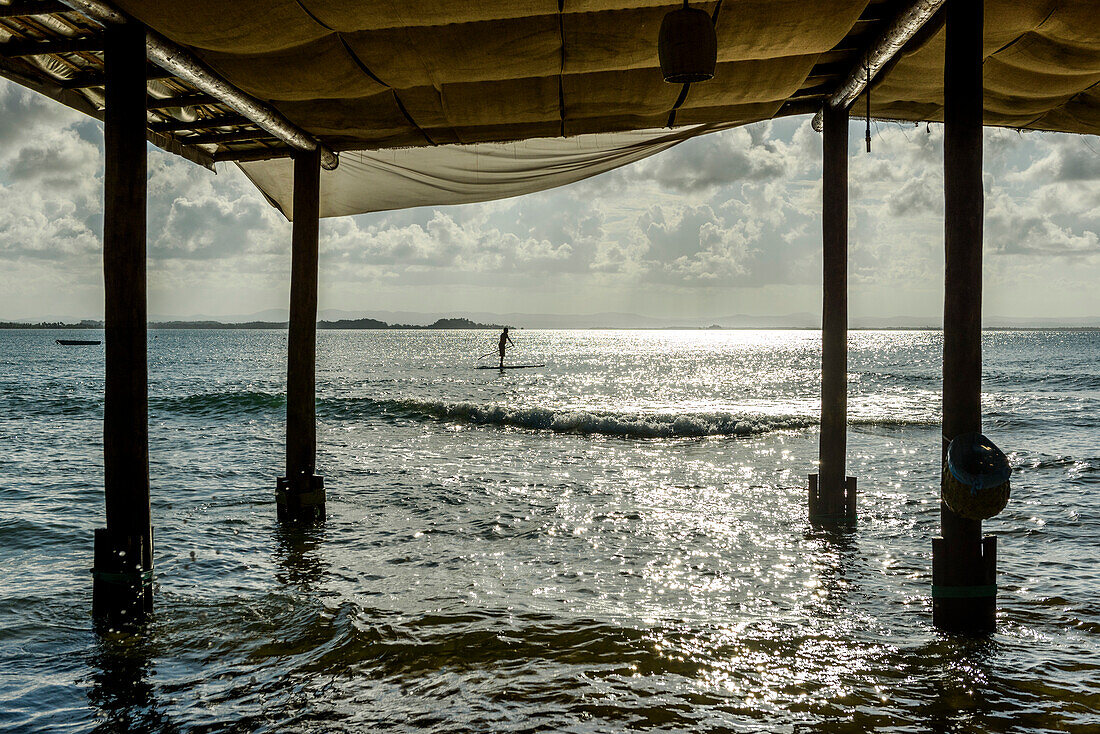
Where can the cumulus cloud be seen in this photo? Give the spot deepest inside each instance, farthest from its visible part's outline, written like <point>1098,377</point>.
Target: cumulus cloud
<point>732,215</point>
<point>741,154</point>
<point>1068,158</point>
<point>27,115</point>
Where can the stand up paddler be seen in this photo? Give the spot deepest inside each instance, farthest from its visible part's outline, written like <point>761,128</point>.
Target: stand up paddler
<point>505,340</point>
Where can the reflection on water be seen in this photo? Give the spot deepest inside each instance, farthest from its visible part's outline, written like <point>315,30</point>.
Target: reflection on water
<point>122,690</point>
<point>597,547</point>
<point>298,556</point>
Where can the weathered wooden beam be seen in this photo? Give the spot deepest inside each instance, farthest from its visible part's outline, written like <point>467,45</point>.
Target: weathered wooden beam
<point>832,494</point>
<point>879,53</point>
<point>817,90</point>
<point>182,100</point>
<point>829,70</point>
<point>300,495</point>
<point>89,80</point>
<point>236,136</point>
<point>122,587</point>
<point>798,107</point>
<point>27,8</point>
<point>964,565</point>
<point>189,68</point>
<point>252,154</point>
<point>51,46</point>
<point>203,123</point>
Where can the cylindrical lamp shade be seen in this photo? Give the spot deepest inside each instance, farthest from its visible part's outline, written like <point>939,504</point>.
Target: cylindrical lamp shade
<point>687,46</point>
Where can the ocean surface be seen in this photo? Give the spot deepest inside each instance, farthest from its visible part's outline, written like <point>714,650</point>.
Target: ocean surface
<point>615,542</point>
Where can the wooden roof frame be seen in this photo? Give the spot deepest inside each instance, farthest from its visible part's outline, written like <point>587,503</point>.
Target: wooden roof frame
<point>222,123</point>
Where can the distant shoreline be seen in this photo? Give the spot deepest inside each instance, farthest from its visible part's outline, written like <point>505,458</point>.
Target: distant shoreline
<point>459,323</point>
<point>358,324</point>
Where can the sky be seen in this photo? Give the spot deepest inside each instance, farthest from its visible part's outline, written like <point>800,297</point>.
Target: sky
<point>726,224</point>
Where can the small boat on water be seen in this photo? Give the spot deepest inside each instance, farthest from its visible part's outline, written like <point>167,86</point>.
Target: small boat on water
<point>78,342</point>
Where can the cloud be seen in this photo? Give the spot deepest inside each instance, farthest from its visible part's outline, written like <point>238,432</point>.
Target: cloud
<point>915,197</point>
<point>60,162</point>
<point>722,219</point>
<point>441,243</point>
<point>1012,229</point>
<point>27,115</point>
<point>44,227</point>
<point>742,154</point>
<point>1069,158</point>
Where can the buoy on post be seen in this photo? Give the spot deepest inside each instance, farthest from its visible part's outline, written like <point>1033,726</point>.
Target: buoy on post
<point>975,477</point>
<point>975,487</point>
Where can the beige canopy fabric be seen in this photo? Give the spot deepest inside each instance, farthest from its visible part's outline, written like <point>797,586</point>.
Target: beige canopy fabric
<point>373,181</point>
<point>369,74</point>
<point>372,75</point>
<point>1041,72</point>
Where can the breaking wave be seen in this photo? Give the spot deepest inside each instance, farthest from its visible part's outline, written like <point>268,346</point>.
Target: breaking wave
<point>583,422</point>
<point>555,420</point>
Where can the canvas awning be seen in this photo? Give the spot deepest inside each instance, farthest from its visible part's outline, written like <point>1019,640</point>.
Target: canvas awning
<point>401,178</point>
<point>376,75</point>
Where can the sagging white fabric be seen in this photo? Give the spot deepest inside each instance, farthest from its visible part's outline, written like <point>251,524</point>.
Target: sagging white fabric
<point>375,181</point>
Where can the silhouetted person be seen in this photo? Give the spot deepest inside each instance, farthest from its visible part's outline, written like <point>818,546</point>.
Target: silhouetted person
<point>505,340</point>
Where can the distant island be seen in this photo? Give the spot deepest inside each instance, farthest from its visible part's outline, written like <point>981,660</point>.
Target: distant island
<point>376,324</point>
<point>450,323</point>
<point>528,321</point>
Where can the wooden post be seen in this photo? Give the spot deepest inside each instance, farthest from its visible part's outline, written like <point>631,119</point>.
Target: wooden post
<point>122,572</point>
<point>964,565</point>
<point>832,493</point>
<point>300,495</point>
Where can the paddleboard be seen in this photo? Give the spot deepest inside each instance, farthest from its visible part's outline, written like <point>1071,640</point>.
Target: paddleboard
<point>509,367</point>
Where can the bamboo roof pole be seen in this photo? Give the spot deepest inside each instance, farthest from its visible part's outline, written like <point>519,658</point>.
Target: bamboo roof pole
<point>880,53</point>
<point>186,66</point>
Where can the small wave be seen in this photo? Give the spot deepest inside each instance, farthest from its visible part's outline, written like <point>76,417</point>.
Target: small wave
<point>563,420</point>
<point>39,404</point>
<point>892,421</point>
<point>1044,381</point>
<point>582,422</point>
<point>220,403</point>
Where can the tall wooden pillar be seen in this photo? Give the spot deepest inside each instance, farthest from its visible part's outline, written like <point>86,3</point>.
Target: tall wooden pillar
<point>300,495</point>
<point>833,493</point>
<point>122,573</point>
<point>964,564</point>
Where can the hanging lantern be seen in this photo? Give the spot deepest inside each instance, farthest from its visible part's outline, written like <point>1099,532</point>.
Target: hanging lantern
<point>687,46</point>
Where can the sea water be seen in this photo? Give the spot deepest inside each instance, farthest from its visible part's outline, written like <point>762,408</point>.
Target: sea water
<point>616,541</point>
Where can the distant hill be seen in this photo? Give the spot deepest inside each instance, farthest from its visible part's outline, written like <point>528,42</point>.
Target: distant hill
<point>453,323</point>
<point>353,324</point>
<point>336,319</point>
<point>217,325</point>
<point>363,323</point>
<point>460,324</point>
<point>85,324</point>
